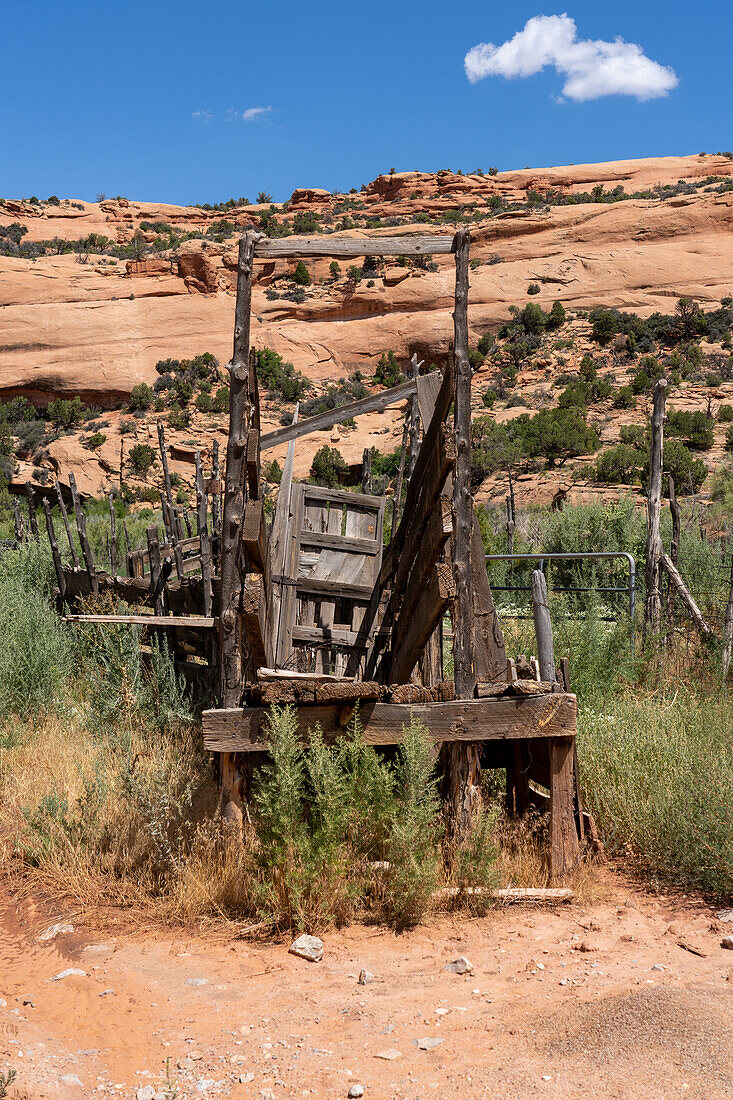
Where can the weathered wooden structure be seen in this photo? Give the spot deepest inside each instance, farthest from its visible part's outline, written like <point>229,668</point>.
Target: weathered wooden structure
<point>315,610</point>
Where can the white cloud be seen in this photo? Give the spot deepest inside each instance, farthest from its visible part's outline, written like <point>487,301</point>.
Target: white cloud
<point>202,115</point>
<point>256,114</point>
<point>591,68</point>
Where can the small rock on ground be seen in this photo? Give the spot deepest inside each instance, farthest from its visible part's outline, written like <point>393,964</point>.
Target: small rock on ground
<point>461,965</point>
<point>55,930</point>
<point>147,1092</point>
<point>355,1091</point>
<point>71,1079</point>
<point>727,942</point>
<point>197,981</point>
<point>72,972</point>
<point>725,915</point>
<point>427,1043</point>
<point>307,947</point>
<point>388,1055</point>
<point>365,977</point>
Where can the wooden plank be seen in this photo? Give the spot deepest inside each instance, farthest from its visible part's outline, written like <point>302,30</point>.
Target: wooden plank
<point>278,534</point>
<point>413,628</point>
<point>202,622</point>
<point>253,463</point>
<point>325,541</point>
<point>156,587</point>
<point>563,833</point>
<point>463,624</point>
<point>254,535</point>
<point>543,626</point>
<point>546,716</point>
<point>428,388</point>
<point>376,402</point>
<point>685,595</point>
<point>335,588</point>
<point>240,412</point>
<point>490,651</point>
<point>269,248</point>
<point>342,496</point>
<point>318,635</point>
<point>290,566</point>
<point>255,612</point>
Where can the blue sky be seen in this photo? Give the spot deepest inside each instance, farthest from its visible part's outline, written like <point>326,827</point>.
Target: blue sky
<point>148,99</point>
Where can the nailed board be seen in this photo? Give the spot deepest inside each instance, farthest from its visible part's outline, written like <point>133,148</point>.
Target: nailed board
<point>333,554</point>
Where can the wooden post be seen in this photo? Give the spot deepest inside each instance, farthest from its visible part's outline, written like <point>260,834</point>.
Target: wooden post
<point>462,758</point>
<point>240,409</point>
<point>32,511</point>
<point>19,532</point>
<point>543,627</point>
<point>81,526</point>
<point>164,462</point>
<point>414,418</point>
<point>67,525</point>
<point>728,628</point>
<point>216,504</point>
<point>156,588</point>
<point>653,606</point>
<point>563,832</point>
<point>187,521</point>
<point>204,540</point>
<point>112,535</point>
<point>509,526</point>
<point>122,459</point>
<point>397,499</point>
<point>366,470</point>
<point>55,553</point>
<point>674,548</point>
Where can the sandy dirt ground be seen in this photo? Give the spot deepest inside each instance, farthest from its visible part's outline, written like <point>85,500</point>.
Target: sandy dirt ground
<point>593,999</point>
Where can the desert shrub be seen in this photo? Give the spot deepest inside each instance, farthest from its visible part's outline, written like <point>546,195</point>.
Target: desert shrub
<point>624,398</point>
<point>220,400</point>
<point>35,658</point>
<point>95,441</point>
<point>388,372</point>
<point>141,458</point>
<point>559,434</point>
<point>203,402</point>
<point>179,419</point>
<point>301,275</point>
<point>694,428</point>
<point>306,222</point>
<point>618,465</point>
<point>681,825</point>
<point>272,471</point>
<point>688,472</point>
<point>354,274</point>
<point>335,269</point>
<point>725,414</point>
<point>280,377</point>
<point>557,316</point>
<point>65,413</point>
<point>488,398</point>
<point>327,467</point>
<point>141,397</point>
<point>30,435</point>
<point>533,288</point>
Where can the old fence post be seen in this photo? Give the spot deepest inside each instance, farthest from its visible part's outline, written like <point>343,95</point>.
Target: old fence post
<point>543,627</point>
<point>728,628</point>
<point>653,605</point>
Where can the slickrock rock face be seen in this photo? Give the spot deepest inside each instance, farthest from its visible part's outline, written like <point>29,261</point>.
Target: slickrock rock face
<point>93,325</point>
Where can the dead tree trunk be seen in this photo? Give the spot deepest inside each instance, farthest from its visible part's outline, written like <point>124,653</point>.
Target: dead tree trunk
<point>32,511</point>
<point>685,595</point>
<point>366,470</point>
<point>653,606</point>
<point>232,564</point>
<point>462,758</point>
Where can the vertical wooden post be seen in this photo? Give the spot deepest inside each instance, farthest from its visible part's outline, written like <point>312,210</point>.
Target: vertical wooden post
<point>490,651</point>
<point>414,417</point>
<point>164,462</point>
<point>543,627</point>
<point>32,511</point>
<point>81,526</point>
<point>674,551</point>
<point>204,540</point>
<point>462,758</point>
<point>216,505</point>
<point>509,526</point>
<point>728,628</point>
<point>19,532</point>
<point>653,606</point>
<point>187,521</point>
<point>232,564</point>
<point>155,570</point>
<point>397,499</point>
<point>122,459</point>
<point>563,833</point>
<point>67,525</point>
<point>366,470</point>
<point>55,553</point>
<point>112,535</point>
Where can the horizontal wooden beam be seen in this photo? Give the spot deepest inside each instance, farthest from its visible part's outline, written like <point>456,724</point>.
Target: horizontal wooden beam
<point>507,718</point>
<point>376,402</point>
<point>272,248</point>
<point>323,541</point>
<point>203,622</point>
<point>319,587</point>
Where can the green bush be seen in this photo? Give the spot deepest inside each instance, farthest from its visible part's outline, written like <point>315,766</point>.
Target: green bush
<point>624,398</point>
<point>141,458</point>
<point>388,372</point>
<point>301,275</point>
<point>694,428</point>
<point>327,466</point>
<point>64,413</point>
<point>533,288</point>
<point>557,316</point>
<point>725,414</point>
<point>280,377</point>
<point>141,398</point>
<point>94,442</point>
